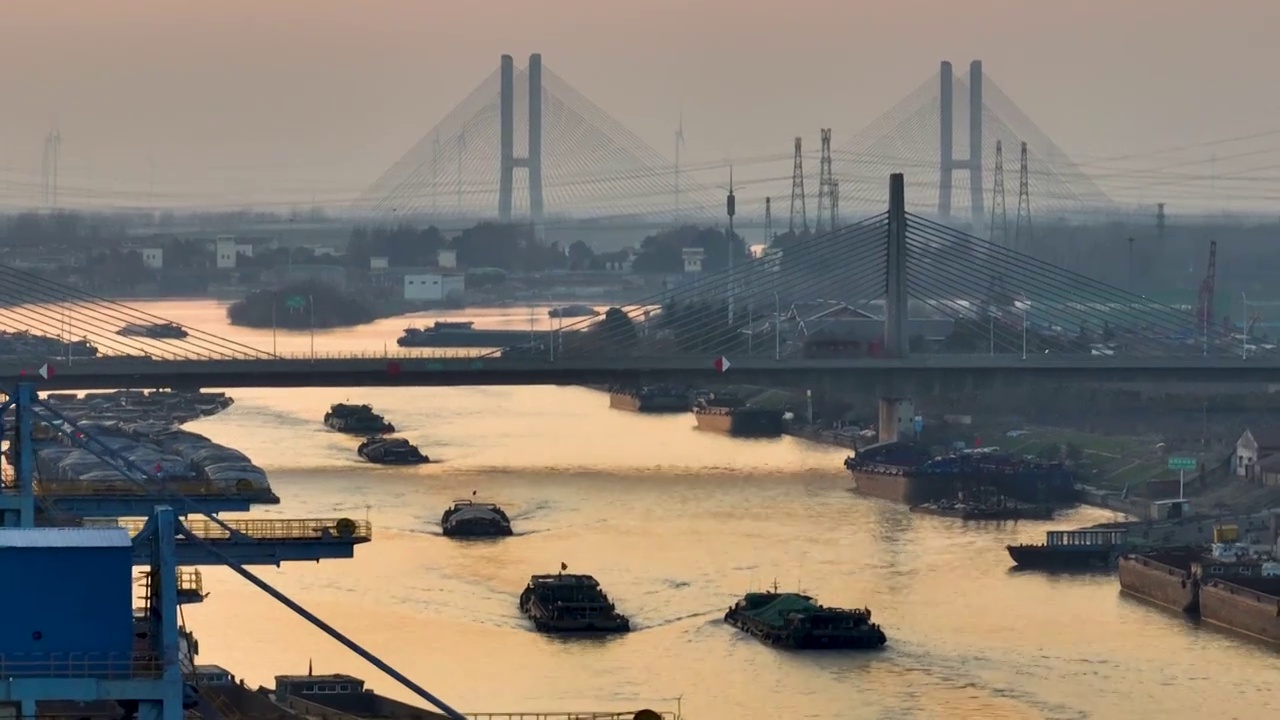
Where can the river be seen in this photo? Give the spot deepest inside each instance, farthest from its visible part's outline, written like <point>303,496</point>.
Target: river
<point>676,524</point>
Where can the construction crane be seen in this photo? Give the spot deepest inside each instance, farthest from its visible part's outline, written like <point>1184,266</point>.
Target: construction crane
<point>1204,305</point>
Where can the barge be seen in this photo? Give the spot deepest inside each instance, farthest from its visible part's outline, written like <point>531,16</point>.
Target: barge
<point>391,451</point>
<point>564,603</point>
<point>1234,579</point>
<point>463,334</point>
<point>1072,550</point>
<point>731,416</point>
<point>1164,577</point>
<point>650,399</point>
<point>154,331</point>
<point>356,420</point>
<point>467,518</point>
<point>797,621</point>
<point>906,473</point>
<point>1249,605</point>
<point>984,511</point>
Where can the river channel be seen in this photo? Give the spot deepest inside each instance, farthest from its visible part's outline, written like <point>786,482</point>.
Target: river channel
<point>676,524</point>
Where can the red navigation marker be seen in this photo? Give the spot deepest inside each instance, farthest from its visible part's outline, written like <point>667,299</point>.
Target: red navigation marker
<point>393,368</point>
<point>722,364</point>
<point>46,371</point>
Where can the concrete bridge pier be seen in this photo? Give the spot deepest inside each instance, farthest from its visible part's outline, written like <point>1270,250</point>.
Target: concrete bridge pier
<point>897,419</point>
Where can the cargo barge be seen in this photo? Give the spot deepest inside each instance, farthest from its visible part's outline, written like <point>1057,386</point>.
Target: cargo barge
<point>391,451</point>
<point>650,399</point>
<point>467,518</point>
<point>984,511</point>
<point>1166,578</point>
<point>731,416</point>
<point>463,334</point>
<point>564,603</point>
<point>1072,550</point>
<point>797,621</point>
<point>154,331</point>
<point>356,420</point>
<point>1249,605</point>
<point>906,473</point>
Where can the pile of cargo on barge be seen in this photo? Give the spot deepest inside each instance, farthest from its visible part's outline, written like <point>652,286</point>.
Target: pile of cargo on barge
<point>797,621</point>
<point>907,473</point>
<point>391,451</point>
<point>173,456</point>
<point>356,420</point>
<point>984,504</point>
<point>564,603</point>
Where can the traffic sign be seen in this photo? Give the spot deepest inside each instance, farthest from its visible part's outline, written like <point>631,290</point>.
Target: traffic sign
<point>46,371</point>
<point>722,364</point>
<point>1182,463</point>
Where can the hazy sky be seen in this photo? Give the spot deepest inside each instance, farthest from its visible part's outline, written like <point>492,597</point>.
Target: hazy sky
<point>217,100</point>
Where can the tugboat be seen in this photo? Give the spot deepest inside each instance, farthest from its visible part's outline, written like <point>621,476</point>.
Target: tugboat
<point>467,518</point>
<point>564,603</point>
<point>391,451</point>
<point>731,416</point>
<point>357,420</point>
<point>797,621</point>
<point>154,331</point>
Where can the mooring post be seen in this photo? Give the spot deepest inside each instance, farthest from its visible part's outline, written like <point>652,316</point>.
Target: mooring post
<point>895,303</point>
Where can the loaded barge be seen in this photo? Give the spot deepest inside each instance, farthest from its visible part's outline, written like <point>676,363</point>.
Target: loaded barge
<point>906,473</point>
<point>356,420</point>
<point>732,416</point>
<point>391,451</point>
<point>797,621</point>
<point>467,518</point>
<point>564,603</point>
<point>650,399</point>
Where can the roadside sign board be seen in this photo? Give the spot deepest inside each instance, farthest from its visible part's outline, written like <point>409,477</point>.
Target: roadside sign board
<point>1182,463</point>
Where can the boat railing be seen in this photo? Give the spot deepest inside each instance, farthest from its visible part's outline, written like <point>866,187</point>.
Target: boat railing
<point>103,666</point>
<point>306,530</point>
<point>126,489</point>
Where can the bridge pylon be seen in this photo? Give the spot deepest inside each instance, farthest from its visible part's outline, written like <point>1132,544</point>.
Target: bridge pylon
<point>532,160</point>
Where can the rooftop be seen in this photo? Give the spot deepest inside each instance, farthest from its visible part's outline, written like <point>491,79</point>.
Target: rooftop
<point>65,537</point>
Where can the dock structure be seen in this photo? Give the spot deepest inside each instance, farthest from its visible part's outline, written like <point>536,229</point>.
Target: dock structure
<point>75,635</point>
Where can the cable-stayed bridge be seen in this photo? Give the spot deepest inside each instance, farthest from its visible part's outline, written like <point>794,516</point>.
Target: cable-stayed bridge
<point>894,298</point>
<point>526,145</point>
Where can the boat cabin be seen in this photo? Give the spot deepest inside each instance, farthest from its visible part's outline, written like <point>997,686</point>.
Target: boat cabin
<point>1068,539</point>
<point>460,504</point>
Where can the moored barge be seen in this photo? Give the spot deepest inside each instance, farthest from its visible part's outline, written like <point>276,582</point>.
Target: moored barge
<point>732,416</point>
<point>797,621</point>
<point>1072,550</point>
<point>565,603</point>
<point>907,473</point>
<point>650,399</point>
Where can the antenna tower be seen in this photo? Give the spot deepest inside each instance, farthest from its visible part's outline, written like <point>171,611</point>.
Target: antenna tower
<point>824,181</point>
<point>797,193</point>
<point>49,171</point>
<point>1023,242</point>
<point>768,221</point>
<point>675,216</point>
<point>999,217</point>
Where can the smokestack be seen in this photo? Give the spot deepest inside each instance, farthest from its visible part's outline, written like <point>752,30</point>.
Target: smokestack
<point>946,156</point>
<point>506,105</point>
<point>975,141</point>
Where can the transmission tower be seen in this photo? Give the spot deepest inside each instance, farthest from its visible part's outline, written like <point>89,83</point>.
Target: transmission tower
<point>1022,238</point>
<point>824,181</point>
<point>835,203</point>
<point>49,171</point>
<point>999,217</point>
<point>768,221</point>
<point>797,193</point>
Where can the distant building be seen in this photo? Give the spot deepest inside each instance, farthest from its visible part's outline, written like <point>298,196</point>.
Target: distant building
<point>378,262</point>
<point>693,258</point>
<point>433,287</point>
<point>447,259</point>
<point>224,251</point>
<point>1253,450</point>
<point>153,258</point>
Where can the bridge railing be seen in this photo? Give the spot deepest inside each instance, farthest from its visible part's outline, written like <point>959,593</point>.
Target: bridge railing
<point>308,530</point>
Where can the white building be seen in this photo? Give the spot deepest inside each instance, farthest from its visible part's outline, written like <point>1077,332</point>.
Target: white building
<point>447,259</point>
<point>224,250</point>
<point>433,287</point>
<point>693,259</point>
<point>378,262</point>
<point>153,258</point>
